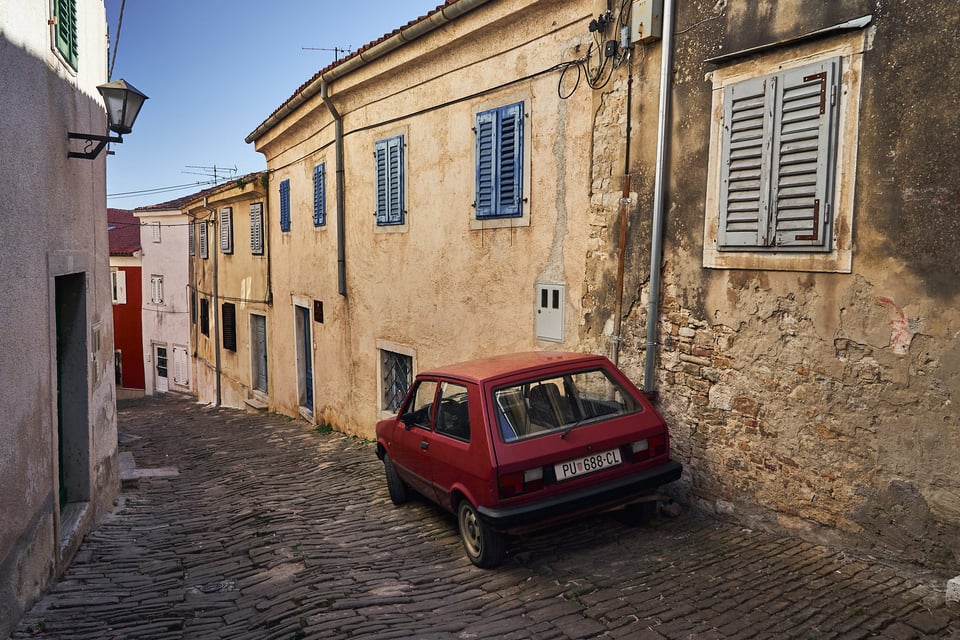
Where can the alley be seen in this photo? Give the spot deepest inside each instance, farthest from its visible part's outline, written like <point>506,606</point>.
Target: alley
<point>270,529</point>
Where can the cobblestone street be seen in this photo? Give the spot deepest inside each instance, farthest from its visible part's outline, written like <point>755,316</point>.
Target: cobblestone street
<point>270,529</point>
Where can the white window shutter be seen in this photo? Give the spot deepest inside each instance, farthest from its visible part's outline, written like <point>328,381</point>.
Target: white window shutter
<point>121,286</point>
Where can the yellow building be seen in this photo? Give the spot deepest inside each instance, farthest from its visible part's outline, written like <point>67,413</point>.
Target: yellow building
<point>229,276</point>
<point>429,195</point>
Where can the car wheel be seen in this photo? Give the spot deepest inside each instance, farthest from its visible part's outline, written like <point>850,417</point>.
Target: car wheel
<point>639,514</point>
<point>484,546</point>
<point>396,486</point>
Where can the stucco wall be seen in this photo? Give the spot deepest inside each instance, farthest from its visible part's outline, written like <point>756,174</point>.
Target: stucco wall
<point>54,212</point>
<point>438,288</point>
<point>242,279</point>
<point>819,403</point>
<point>166,324</point>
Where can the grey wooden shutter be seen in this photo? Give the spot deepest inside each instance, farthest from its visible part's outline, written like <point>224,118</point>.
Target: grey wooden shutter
<point>745,171</point>
<point>803,163</point>
<point>229,316</point>
<point>192,238</point>
<point>319,195</point>
<point>285,205</point>
<point>226,230</point>
<point>202,229</point>
<point>256,228</point>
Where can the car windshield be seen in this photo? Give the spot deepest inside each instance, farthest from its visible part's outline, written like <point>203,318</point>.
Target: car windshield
<point>561,403</point>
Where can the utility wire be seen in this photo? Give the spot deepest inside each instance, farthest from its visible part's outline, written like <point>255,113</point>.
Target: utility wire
<point>116,44</point>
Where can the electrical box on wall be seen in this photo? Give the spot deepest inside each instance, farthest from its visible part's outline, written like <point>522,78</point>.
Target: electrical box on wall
<point>550,300</point>
<point>646,20</point>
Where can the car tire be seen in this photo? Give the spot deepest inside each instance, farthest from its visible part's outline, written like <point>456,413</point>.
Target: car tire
<point>635,515</point>
<point>397,488</point>
<point>485,547</point>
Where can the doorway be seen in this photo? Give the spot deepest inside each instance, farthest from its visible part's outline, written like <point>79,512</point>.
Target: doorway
<point>73,428</point>
<point>161,367</point>
<point>304,357</point>
<point>258,338</point>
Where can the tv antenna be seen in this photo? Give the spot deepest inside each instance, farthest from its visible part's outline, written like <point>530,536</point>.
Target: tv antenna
<point>336,50</point>
<point>218,174</point>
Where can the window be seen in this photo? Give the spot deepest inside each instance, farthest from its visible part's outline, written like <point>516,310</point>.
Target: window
<point>319,195</point>
<point>285,205</point>
<point>65,30</point>
<point>499,157</point>
<point>226,230</point>
<point>389,169</point>
<point>419,411</point>
<point>229,315</point>
<point>783,139</point>
<point>453,415</point>
<point>779,133</point>
<point>202,229</point>
<point>256,228</point>
<point>118,286</point>
<point>205,317</point>
<point>156,289</point>
<point>155,231</point>
<point>192,239</point>
<point>181,367</point>
<point>397,372</point>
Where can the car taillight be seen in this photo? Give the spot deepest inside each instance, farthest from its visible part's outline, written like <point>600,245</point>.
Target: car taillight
<point>515,484</point>
<point>649,448</point>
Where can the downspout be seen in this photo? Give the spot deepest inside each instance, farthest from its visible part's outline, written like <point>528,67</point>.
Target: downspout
<point>341,232</point>
<point>624,202</point>
<point>656,236</point>
<point>265,183</point>
<point>216,297</point>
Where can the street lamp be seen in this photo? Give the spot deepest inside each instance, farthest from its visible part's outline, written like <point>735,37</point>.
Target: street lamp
<point>123,102</point>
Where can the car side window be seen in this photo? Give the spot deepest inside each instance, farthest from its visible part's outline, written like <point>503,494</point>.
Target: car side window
<point>420,407</point>
<point>453,415</point>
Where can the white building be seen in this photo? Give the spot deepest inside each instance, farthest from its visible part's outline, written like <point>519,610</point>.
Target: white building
<point>58,436</point>
<point>164,238</point>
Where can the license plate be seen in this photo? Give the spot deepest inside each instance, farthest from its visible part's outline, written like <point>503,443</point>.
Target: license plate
<point>587,464</point>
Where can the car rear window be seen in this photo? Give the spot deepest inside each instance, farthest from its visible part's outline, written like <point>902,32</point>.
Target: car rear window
<point>536,407</point>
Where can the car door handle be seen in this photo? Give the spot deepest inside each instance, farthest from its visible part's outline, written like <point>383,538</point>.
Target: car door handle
<point>424,445</point>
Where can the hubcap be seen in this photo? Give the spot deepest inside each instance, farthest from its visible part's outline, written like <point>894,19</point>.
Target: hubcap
<point>470,531</point>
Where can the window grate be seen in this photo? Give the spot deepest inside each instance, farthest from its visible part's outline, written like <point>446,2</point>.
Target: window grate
<point>397,378</point>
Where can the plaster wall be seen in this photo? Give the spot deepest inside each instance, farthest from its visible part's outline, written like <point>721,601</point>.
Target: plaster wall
<point>817,403</point>
<point>166,324</point>
<point>54,212</point>
<point>242,279</point>
<point>438,288</point>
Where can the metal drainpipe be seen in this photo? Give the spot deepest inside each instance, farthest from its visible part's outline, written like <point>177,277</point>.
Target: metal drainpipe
<point>341,232</point>
<point>265,183</point>
<point>216,297</point>
<point>624,202</point>
<point>656,237</point>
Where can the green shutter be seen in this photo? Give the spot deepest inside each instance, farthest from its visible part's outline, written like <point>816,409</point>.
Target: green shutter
<point>65,30</point>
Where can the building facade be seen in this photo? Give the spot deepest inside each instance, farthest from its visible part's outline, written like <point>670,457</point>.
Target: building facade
<point>125,292</point>
<point>230,291</point>
<point>164,239</point>
<point>58,462</point>
<point>751,210</point>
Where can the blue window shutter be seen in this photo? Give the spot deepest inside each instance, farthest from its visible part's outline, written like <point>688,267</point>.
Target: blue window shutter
<point>500,162</point>
<point>486,169</point>
<point>285,205</point>
<point>509,174</point>
<point>804,138</point>
<point>319,195</point>
<point>745,171</point>
<point>389,170</point>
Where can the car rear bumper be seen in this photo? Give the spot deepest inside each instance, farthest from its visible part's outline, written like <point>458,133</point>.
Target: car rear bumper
<point>596,498</point>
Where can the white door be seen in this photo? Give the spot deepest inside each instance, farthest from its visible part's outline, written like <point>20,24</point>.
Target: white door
<point>160,367</point>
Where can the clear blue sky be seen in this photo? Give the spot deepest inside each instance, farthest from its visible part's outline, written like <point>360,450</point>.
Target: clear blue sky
<point>214,70</point>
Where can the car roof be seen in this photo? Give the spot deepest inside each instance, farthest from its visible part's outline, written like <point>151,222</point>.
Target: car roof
<point>492,367</point>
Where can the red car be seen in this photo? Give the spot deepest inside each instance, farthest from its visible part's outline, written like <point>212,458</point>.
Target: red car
<point>513,442</point>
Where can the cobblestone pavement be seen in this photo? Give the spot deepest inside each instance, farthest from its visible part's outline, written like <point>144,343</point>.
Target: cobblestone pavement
<point>273,530</point>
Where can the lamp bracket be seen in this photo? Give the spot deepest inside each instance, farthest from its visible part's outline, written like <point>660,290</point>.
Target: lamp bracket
<point>91,138</point>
